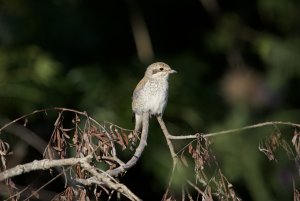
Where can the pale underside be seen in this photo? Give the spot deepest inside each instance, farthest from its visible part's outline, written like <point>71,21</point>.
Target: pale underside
<point>149,96</point>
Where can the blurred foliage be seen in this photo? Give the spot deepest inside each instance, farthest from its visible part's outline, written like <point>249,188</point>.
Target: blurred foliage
<point>237,62</point>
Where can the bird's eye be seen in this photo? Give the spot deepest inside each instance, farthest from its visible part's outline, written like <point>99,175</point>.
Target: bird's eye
<point>161,69</point>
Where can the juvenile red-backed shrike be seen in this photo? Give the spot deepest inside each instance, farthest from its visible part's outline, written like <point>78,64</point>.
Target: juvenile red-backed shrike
<point>151,93</point>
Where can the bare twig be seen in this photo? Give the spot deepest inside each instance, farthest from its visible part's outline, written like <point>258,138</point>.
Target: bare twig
<point>43,186</point>
<point>270,123</point>
<point>205,135</point>
<point>101,178</point>
<point>25,134</point>
<point>172,151</point>
<point>22,117</point>
<point>195,187</point>
<point>183,137</point>
<point>62,110</point>
<point>167,135</point>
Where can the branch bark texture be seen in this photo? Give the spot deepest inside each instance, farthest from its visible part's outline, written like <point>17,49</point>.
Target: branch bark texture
<point>41,165</point>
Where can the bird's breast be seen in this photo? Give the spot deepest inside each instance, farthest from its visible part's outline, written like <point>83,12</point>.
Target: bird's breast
<point>156,96</point>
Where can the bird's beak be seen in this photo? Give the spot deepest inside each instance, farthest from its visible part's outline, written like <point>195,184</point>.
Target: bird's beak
<point>172,71</point>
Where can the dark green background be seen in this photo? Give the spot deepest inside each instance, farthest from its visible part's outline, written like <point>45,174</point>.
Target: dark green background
<point>237,63</point>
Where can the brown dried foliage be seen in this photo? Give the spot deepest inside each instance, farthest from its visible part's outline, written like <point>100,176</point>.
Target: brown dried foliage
<point>208,182</point>
<point>84,137</point>
<point>275,142</point>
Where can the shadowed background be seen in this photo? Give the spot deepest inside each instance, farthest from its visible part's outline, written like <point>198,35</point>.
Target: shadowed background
<point>237,63</point>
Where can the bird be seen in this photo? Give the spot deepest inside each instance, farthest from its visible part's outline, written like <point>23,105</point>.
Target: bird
<point>151,93</point>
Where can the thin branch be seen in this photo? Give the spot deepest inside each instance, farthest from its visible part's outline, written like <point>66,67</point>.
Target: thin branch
<point>102,179</point>
<point>16,194</point>
<point>43,186</point>
<point>68,110</point>
<point>22,117</point>
<point>167,136</point>
<point>45,164</point>
<point>114,159</point>
<point>195,187</point>
<point>205,135</point>
<point>271,123</point>
<point>183,137</point>
<point>40,165</point>
<point>172,151</point>
<point>124,129</point>
<point>26,135</point>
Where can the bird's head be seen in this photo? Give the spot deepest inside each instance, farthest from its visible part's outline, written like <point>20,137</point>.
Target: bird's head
<point>159,70</point>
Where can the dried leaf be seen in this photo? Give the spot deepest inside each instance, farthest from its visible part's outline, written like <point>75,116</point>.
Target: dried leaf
<point>267,151</point>
<point>296,142</point>
<point>75,138</point>
<point>82,196</point>
<point>58,120</point>
<point>66,129</point>
<point>190,147</point>
<point>125,137</point>
<point>120,139</point>
<point>57,148</point>
<point>48,153</point>
<point>93,129</point>
<point>3,161</point>
<point>66,135</point>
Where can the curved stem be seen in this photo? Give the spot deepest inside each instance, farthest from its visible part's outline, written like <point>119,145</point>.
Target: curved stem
<point>172,151</point>
<point>138,152</point>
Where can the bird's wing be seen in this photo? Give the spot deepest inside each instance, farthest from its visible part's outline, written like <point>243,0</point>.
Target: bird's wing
<point>138,88</point>
<point>137,93</point>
